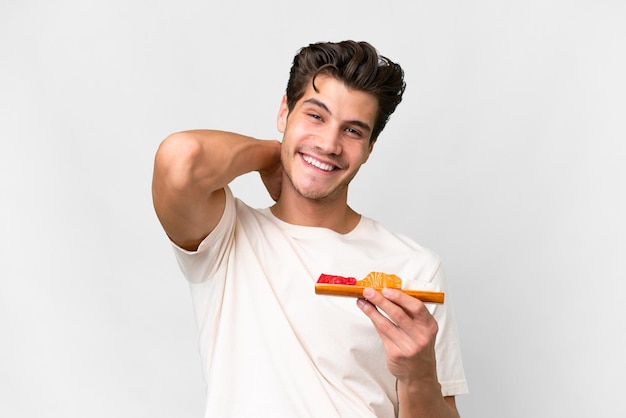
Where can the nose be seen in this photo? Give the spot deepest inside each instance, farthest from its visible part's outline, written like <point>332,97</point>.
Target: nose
<point>329,141</point>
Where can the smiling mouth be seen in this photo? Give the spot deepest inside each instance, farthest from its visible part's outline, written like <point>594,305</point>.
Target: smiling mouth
<point>315,163</point>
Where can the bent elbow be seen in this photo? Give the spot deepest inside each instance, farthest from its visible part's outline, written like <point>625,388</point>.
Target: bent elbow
<point>176,161</point>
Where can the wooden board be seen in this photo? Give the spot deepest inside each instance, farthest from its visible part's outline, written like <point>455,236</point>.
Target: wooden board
<point>357,292</point>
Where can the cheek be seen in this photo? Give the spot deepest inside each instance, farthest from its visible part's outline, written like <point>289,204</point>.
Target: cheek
<point>366,156</point>
<point>361,155</point>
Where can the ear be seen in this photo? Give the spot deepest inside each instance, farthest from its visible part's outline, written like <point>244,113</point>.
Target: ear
<point>283,112</point>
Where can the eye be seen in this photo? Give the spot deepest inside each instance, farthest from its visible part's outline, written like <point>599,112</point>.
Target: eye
<point>315,116</point>
<point>354,132</point>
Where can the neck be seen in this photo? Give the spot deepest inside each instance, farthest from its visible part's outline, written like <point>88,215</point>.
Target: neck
<point>335,215</point>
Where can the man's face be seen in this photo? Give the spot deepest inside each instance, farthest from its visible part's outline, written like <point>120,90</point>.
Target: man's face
<point>326,138</point>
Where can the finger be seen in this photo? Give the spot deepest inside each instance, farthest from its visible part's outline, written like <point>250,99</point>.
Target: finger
<point>407,313</point>
<point>390,301</point>
<point>384,325</point>
<point>415,308</point>
<point>397,342</point>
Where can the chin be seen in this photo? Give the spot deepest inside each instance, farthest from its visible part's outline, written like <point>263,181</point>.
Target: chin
<point>316,189</point>
<point>317,194</point>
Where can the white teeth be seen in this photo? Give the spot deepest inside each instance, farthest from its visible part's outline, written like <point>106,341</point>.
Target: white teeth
<point>318,164</point>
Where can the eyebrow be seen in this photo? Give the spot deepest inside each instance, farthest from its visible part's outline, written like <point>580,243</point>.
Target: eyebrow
<point>322,105</point>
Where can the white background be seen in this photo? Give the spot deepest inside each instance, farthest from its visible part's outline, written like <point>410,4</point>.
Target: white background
<point>506,157</point>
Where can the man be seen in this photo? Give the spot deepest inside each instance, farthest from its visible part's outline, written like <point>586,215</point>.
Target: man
<point>270,346</point>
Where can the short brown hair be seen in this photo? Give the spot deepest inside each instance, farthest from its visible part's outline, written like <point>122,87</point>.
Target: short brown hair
<point>358,65</point>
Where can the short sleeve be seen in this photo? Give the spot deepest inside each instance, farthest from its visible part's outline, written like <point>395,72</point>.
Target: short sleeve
<point>197,266</point>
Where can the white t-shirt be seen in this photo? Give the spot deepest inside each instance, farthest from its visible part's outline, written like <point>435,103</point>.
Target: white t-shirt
<point>271,347</point>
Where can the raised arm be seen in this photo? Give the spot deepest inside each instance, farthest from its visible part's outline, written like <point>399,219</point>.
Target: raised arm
<point>191,170</point>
